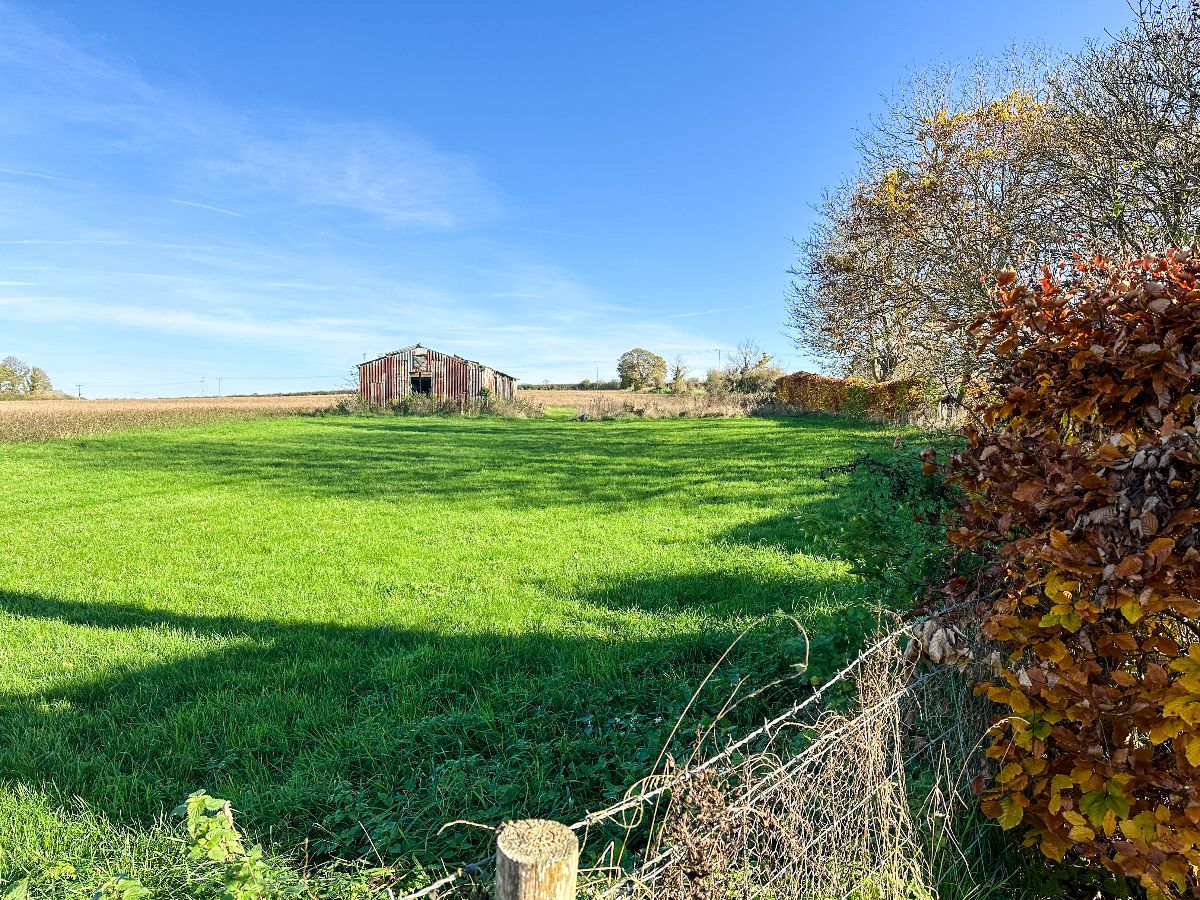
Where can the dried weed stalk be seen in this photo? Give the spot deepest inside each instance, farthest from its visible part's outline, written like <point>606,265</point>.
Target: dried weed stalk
<point>876,804</point>
<point>870,800</point>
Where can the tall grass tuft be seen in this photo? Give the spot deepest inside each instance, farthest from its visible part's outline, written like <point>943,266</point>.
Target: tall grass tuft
<point>431,405</point>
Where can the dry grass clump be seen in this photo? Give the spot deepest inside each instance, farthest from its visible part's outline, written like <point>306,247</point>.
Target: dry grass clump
<point>44,420</point>
<point>520,407</point>
<point>829,822</point>
<point>875,803</point>
<point>860,791</point>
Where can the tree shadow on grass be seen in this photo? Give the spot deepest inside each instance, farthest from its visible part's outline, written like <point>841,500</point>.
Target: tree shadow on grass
<point>338,731</point>
<point>795,531</point>
<point>368,738</point>
<point>822,521</point>
<point>521,463</point>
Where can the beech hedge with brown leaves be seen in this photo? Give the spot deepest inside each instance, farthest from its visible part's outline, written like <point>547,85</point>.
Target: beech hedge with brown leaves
<point>888,401</point>
<point>1083,497</point>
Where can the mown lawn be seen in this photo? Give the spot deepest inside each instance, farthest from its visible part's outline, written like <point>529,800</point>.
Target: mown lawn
<point>353,626</point>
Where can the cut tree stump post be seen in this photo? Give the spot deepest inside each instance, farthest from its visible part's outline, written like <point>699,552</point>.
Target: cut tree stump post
<point>536,859</point>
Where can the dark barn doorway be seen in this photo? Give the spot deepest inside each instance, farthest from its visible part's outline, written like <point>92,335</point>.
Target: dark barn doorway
<point>421,385</point>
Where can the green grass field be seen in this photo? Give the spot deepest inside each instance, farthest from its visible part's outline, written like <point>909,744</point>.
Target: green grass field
<point>354,625</point>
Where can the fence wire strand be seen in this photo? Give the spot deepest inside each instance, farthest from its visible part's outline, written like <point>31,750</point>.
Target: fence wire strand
<point>870,801</point>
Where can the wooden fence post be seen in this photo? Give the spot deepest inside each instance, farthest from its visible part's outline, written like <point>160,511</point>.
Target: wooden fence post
<point>536,859</point>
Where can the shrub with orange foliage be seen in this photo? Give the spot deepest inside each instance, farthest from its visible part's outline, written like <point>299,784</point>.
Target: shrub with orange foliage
<point>1082,488</point>
<point>889,401</point>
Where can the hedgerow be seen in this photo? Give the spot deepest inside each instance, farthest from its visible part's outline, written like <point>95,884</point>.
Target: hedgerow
<point>1082,482</point>
<point>890,401</point>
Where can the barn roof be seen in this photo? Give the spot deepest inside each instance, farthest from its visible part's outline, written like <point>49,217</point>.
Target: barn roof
<point>423,347</point>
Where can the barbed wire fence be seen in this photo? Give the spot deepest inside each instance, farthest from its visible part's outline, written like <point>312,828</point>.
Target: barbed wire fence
<point>860,790</point>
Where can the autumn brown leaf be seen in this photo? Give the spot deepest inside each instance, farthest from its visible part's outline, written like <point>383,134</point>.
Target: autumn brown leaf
<point>1080,515</point>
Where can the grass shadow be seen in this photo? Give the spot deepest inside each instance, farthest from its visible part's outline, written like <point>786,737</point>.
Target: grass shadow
<point>358,628</point>
<point>317,730</point>
<point>519,463</point>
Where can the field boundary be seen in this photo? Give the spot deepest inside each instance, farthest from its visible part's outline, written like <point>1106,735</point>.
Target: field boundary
<point>840,818</point>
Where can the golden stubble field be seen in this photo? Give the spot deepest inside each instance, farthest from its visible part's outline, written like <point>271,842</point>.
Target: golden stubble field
<point>43,420</point>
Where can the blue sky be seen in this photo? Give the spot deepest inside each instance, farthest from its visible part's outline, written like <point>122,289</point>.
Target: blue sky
<point>266,192</point>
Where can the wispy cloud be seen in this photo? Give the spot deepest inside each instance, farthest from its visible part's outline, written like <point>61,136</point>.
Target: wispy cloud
<point>50,84</point>
<point>42,175</point>
<point>195,234</point>
<point>142,244</point>
<point>397,178</point>
<point>709,312</point>
<point>194,204</point>
<point>570,234</point>
<point>235,326</point>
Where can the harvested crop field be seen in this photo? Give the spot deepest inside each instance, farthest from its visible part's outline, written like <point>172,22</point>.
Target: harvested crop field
<point>43,420</point>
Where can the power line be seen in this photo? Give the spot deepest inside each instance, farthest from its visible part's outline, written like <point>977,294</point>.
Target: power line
<point>224,378</point>
<point>83,384</point>
<point>274,377</point>
<point>200,378</point>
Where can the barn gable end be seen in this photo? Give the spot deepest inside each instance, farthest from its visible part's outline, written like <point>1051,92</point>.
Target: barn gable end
<point>422,370</point>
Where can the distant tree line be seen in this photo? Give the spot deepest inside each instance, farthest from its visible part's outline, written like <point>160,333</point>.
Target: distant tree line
<point>750,370</point>
<point>1016,163</point>
<point>586,385</point>
<point>19,380</point>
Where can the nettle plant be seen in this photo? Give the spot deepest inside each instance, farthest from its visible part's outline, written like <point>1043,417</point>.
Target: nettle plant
<point>216,839</point>
<point>1082,484</point>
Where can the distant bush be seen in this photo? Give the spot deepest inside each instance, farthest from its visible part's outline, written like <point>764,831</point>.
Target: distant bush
<point>21,381</point>
<point>889,401</point>
<point>716,383</point>
<point>750,370</point>
<point>642,369</point>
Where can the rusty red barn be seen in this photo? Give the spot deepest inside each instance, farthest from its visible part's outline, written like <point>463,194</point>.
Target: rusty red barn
<point>420,370</point>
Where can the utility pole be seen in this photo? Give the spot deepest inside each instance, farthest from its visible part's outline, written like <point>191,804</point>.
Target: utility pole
<point>79,391</point>
<point>219,394</point>
<point>201,385</point>
<point>718,357</point>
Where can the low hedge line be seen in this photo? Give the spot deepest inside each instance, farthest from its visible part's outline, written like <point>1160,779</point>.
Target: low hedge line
<point>889,401</point>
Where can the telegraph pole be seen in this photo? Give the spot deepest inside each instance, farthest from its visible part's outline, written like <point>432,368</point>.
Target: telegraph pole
<point>219,394</point>
<point>79,391</point>
<point>201,385</point>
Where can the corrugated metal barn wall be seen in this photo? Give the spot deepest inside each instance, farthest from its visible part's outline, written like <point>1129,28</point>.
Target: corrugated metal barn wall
<point>389,378</point>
